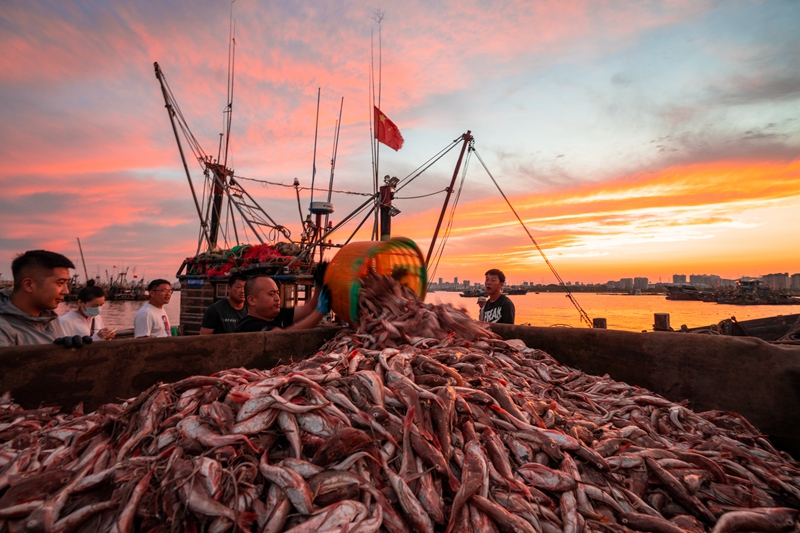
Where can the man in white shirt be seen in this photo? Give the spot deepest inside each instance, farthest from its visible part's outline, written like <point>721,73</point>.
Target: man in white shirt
<point>151,320</point>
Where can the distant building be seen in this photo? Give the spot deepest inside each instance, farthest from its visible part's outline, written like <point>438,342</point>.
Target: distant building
<point>466,284</point>
<point>455,280</point>
<point>704,280</point>
<point>640,283</point>
<point>776,281</point>
<point>795,281</point>
<point>679,278</point>
<point>440,281</point>
<point>627,284</point>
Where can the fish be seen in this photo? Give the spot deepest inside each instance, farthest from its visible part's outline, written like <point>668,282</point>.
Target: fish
<point>419,419</point>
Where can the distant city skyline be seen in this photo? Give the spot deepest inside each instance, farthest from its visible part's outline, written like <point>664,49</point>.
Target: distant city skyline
<point>774,279</point>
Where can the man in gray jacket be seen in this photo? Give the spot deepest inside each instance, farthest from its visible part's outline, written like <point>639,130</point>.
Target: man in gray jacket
<point>27,314</point>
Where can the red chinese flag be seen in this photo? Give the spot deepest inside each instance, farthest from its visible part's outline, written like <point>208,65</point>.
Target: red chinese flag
<point>386,131</point>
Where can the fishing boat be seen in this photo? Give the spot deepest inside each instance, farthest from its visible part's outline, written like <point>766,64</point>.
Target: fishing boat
<point>752,292</point>
<point>784,328</point>
<point>227,212</point>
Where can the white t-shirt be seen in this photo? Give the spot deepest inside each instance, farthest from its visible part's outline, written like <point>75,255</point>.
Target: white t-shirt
<point>150,321</point>
<point>74,323</point>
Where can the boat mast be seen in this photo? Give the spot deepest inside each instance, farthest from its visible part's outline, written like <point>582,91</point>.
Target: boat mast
<point>171,113</point>
<point>85,272</point>
<point>467,137</point>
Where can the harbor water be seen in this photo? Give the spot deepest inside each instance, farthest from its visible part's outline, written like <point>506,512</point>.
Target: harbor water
<point>622,312</point>
<point>120,313</point>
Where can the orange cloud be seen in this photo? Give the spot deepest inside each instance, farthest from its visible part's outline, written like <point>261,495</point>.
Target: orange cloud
<point>691,205</point>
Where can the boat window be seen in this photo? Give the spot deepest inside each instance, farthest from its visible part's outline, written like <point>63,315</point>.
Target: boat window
<point>222,290</point>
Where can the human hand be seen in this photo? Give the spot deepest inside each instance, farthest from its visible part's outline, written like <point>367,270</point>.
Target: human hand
<point>319,273</point>
<point>107,334</point>
<point>324,300</point>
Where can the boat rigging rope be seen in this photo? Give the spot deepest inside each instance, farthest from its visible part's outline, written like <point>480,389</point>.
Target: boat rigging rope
<point>451,217</point>
<point>584,315</point>
<point>300,188</point>
<point>420,196</point>
<point>426,165</point>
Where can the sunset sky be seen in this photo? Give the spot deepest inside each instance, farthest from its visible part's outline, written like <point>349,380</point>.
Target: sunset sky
<point>634,138</point>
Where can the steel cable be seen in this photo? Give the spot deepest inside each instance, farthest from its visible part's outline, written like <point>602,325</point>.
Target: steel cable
<point>584,315</point>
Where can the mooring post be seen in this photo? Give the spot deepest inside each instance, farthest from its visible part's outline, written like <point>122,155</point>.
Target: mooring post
<point>661,322</point>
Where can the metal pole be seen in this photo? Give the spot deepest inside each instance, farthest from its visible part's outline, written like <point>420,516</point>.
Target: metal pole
<point>314,162</point>
<point>467,137</point>
<point>386,208</point>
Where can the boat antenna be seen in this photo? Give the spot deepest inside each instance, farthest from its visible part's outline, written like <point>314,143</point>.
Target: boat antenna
<point>231,68</point>
<point>314,161</point>
<point>333,158</point>
<point>85,272</point>
<point>377,16</point>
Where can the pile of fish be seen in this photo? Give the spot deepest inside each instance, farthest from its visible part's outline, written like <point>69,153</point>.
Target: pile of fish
<point>398,427</point>
<point>390,315</point>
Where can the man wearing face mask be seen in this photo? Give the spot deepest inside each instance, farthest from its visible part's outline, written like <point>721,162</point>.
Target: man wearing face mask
<point>86,319</point>
<point>27,314</point>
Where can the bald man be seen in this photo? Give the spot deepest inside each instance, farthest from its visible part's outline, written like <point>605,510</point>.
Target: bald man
<point>264,311</point>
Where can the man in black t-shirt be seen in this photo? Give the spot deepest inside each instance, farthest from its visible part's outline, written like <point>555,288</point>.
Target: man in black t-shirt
<point>499,309</point>
<point>264,311</point>
<point>223,315</point>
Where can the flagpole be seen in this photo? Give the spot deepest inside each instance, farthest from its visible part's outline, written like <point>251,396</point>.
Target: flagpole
<point>379,16</point>
<point>372,125</point>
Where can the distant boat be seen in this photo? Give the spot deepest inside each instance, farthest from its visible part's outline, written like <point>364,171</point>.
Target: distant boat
<point>473,293</point>
<point>690,293</point>
<point>516,291</point>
